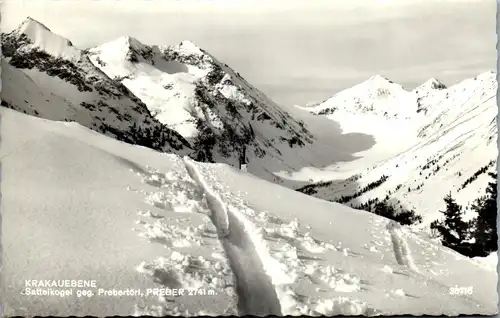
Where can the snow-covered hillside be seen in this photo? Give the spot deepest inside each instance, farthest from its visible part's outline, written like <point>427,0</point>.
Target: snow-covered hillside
<point>447,143</point>
<point>80,205</point>
<point>45,76</point>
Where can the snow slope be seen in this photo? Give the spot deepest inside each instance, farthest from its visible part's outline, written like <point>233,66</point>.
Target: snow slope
<point>87,206</point>
<point>21,93</point>
<point>48,77</point>
<point>439,148</point>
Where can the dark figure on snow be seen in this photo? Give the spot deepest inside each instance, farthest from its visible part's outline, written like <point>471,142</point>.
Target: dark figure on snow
<point>242,159</point>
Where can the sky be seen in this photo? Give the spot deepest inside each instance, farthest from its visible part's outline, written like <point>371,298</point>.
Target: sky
<point>296,52</point>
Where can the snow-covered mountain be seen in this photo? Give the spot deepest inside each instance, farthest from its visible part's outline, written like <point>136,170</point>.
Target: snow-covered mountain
<point>446,141</point>
<point>377,95</point>
<point>45,75</point>
<point>207,102</point>
<point>80,205</point>
<point>173,98</point>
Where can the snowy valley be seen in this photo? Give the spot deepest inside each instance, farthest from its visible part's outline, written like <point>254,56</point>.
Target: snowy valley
<point>120,164</point>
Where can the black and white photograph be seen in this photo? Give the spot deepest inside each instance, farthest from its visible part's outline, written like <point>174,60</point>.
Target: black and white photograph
<point>248,157</point>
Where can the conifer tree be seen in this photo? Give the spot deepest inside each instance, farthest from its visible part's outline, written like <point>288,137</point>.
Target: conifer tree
<point>485,232</point>
<point>453,229</point>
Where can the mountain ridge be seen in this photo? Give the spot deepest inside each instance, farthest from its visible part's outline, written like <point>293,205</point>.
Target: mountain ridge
<point>378,85</point>
<point>213,112</point>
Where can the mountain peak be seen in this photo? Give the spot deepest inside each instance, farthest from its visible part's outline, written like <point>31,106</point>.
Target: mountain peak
<point>431,84</point>
<point>189,48</point>
<point>379,78</point>
<point>28,23</point>
<point>132,42</point>
<point>126,43</point>
<point>377,96</point>
<point>123,47</point>
<point>41,37</point>
<point>379,82</point>
<point>189,53</point>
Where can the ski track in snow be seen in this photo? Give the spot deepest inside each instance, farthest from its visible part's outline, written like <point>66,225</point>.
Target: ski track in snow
<point>219,214</point>
<point>401,250</point>
<point>256,293</point>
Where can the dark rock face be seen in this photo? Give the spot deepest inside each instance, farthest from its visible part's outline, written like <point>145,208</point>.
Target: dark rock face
<point>235,133</point>
<point>238,120</point>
